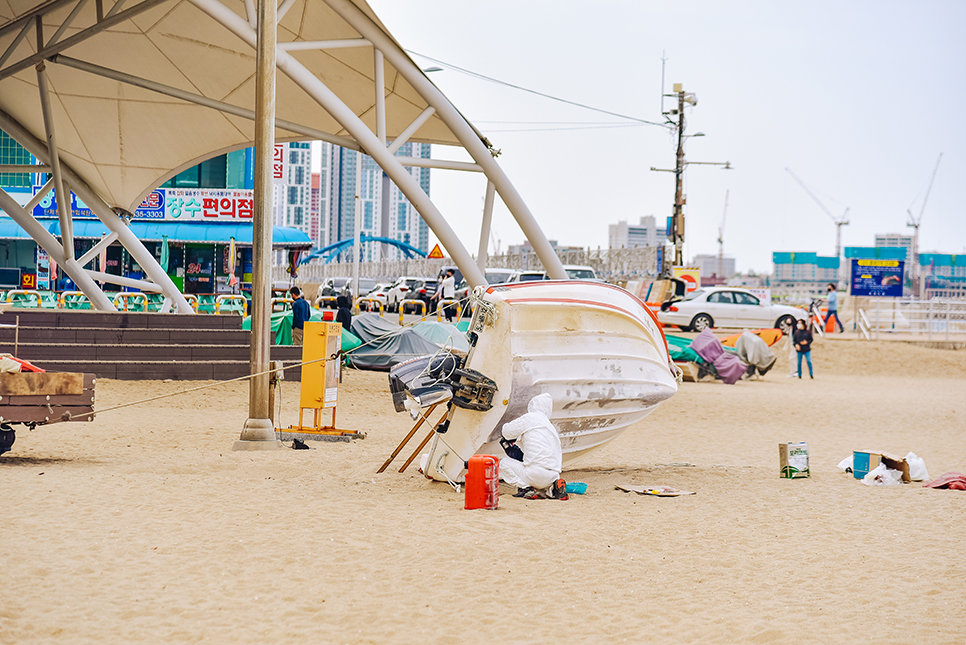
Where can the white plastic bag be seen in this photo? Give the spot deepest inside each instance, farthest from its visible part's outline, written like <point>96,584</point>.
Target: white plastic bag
<point>917,468</point>
<point>846,464</point>
<point>882,476</point>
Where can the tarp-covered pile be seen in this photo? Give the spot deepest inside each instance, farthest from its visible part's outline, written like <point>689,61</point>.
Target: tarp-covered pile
<point>751,349</point>
<point>384,343</point>
<point>282,328</point>
<point>728,366</point>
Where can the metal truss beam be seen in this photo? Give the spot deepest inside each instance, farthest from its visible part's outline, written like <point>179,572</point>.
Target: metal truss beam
<point>46,50</point>
<point>104,213</point>
<point>371,144</point>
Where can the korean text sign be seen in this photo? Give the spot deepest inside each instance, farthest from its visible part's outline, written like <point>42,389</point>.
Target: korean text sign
<point>878,278</point>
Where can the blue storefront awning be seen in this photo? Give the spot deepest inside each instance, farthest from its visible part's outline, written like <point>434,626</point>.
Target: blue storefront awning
<point>152,231</point>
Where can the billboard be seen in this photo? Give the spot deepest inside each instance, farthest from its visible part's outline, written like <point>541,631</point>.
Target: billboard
<point>878,278</point>
<point>691,275</point>
<point>171,204</point>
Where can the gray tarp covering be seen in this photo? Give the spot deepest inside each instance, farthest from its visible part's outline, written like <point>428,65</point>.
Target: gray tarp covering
<point>443,335</point>
<point>395,344</point>
<point>752,350</point>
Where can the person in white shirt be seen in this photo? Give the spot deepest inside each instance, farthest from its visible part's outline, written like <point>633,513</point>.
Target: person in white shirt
<point>447,291</point>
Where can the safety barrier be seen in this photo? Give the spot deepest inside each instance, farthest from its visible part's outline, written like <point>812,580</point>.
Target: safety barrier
<point>231,304</point>
<point>382,309</point>
<point>282,304</point>
<point>73,300</point>
<point>325,299</point>
<point>17,296</point>
<point>122,300</point>
<point>402,307</point>
<point>192,300</point>
<point>443,304</point>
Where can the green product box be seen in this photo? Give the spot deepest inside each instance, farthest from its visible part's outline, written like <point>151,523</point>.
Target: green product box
<point>793,460</point>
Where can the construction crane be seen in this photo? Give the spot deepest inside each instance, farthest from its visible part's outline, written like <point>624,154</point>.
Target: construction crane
<point>914,223</point>
<point>721,238</point>
<point>839,221</point>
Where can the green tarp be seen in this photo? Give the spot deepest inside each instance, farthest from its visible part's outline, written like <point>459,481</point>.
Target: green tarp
<point>680,349</point>
<point>282,328</point>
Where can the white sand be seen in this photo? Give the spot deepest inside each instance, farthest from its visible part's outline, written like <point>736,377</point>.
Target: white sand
<point>144,526</point>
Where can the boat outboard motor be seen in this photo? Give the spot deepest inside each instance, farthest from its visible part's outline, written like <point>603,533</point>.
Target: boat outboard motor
<point>439,378</point>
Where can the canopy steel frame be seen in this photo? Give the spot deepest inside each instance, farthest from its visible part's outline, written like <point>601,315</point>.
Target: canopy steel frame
<point>55,46</point>
<point>104,213</point>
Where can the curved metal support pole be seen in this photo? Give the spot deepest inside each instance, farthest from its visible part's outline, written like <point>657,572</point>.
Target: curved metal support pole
<point>461,128</point>
<point>481,255</point>
<point>50,244</point>
<point>361,133</point>
<point>104,213</point>
<point>63,197</point>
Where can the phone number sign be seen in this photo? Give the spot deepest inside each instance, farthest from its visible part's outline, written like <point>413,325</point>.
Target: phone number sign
<point>877,278</point>
<point>202,204</point>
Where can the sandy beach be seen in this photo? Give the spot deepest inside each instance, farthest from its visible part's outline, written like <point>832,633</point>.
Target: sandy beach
<point>144,526</point>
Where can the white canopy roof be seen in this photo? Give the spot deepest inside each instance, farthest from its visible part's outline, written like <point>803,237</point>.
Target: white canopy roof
<point>124,140</point>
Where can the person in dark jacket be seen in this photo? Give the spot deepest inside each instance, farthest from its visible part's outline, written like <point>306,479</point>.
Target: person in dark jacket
<point>301,312</point>
<point>803,344</point>
<point>344,315</point>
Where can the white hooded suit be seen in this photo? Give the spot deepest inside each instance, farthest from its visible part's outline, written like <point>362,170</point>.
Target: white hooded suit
<point>540,442</point>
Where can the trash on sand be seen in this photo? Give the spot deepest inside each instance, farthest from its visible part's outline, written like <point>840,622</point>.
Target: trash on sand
<point>917,468</point>
<point>950,480</point>
<point>865,461</point>
<point>881,475</point>
<point>793,460</point>
<point>846,464</point>
<point>658,491</point>
<point>577,488</point>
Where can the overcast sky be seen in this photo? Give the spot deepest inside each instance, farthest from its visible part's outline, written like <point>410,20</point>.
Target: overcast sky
<point>858,98</point>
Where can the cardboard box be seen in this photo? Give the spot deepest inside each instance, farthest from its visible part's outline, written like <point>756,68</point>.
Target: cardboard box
<point>864,461</point>
<point>793,460</point>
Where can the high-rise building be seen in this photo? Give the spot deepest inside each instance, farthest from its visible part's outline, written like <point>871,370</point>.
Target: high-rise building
<point>894,240</point>
<point>709,266</point>
<point>625,236</point>
<point>804,272</point>
<point>385,211</point>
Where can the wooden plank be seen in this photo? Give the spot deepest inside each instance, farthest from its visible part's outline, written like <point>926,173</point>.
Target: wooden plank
<point>33,383</point>
<point>40,413</point>
<point>87,398</point>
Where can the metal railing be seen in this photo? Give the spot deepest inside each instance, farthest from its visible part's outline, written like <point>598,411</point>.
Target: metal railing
<point>231,304</point>
<point>402,307</point>
<point>445,303</point>
<point>922,319</point>
<point>369,305</point>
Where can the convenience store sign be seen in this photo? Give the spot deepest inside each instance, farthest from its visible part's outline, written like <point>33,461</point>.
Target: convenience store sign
<point>172,205</point>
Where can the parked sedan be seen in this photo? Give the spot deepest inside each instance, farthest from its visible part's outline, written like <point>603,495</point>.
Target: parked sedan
<point>728,307</point>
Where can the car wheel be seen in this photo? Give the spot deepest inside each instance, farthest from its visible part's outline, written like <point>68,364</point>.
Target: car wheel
<point>786,324</point>
<point>701,322</point>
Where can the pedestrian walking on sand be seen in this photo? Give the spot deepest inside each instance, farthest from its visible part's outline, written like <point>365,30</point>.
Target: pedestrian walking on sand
<point>803,345</point>
<point>833,307</point>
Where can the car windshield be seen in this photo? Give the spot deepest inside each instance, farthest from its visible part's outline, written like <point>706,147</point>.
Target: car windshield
<point>498,277</point>
<point>338,283</point>
<point>581,274</point>
<point>694,294</point>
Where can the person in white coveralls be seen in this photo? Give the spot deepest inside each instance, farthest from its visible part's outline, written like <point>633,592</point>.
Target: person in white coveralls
<point>538,473</point>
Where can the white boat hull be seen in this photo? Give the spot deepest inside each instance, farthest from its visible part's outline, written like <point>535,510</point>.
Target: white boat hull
<point>593,347</point>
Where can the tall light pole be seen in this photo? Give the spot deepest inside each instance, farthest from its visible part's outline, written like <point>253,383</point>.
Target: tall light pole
<point>676,232</point>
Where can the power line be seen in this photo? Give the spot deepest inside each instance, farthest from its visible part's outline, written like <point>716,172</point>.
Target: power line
<point>526,89</point>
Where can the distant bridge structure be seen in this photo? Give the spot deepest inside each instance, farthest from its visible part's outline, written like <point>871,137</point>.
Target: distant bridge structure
<point>332,251</point>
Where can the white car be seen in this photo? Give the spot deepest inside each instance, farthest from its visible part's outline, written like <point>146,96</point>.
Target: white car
<point>377,293</point>
<point>728,307</point>
<point>403,288</point>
